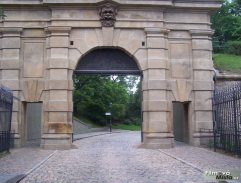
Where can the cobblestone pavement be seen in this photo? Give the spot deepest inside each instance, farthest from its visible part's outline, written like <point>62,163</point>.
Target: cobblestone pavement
<point>116,158</point>
<point>204,159</point>
<point>20,161</point>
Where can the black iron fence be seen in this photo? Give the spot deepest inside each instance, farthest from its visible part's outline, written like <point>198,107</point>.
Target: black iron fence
<point>6,104</point>
<point>227,118</point>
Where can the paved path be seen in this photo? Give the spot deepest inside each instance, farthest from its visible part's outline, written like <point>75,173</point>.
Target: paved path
<point>116,158</point>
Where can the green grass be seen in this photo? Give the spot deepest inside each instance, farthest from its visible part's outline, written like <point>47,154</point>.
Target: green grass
<point>127,127</point>
<point>87,121</point>
<point>226,62</point>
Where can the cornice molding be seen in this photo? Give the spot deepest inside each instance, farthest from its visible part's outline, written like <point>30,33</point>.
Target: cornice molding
<point>11,30</point>
<point>197,32</point>
<point>197,4</point>
<point>58,29</point>
<point>156,30</point>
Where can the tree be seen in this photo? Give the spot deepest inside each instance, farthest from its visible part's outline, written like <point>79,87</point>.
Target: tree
<point>133,114</point>
<point>227,22</point>
<point>133,85</point>
<point>237,7</point>
<point>93,95</point>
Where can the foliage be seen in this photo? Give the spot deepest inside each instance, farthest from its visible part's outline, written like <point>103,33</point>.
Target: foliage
<point>133,114</point>
<point>226,62</point>
<point>93,95</point>
<point>96,95</point>
<point>226,24</point>
<point>233,47</point>
<point>131,127</point>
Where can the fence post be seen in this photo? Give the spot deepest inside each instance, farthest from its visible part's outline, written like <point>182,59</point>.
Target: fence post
<point>235,121</point>
<point>214,121</point>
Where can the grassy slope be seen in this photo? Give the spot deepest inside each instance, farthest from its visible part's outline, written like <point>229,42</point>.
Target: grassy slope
<point>127,127</point>
<point>225,62</point>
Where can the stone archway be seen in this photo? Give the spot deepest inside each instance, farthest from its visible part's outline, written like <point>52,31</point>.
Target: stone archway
<point>150,61</point>
<point>106,61</point>
<point>173,52</point>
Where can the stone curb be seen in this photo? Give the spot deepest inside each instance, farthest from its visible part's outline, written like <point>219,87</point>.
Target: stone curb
<point>183,161</point>
<point>91,135</point>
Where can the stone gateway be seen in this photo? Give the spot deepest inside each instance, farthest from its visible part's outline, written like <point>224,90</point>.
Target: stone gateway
<point>42,43</point>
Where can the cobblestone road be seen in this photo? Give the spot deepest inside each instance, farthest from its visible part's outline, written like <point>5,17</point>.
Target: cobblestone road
<point>22,160</point>
<point>116,158</point>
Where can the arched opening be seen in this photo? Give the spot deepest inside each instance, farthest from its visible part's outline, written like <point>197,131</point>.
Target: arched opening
<point>110,61</point>
<point>107,91</point>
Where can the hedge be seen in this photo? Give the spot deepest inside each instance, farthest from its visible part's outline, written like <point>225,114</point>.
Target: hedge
<point>233,47</point>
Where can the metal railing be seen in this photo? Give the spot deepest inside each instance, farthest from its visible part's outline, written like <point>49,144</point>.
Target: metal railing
<point>6,140</point>
<point>227,118</point>
<point>6,105</point>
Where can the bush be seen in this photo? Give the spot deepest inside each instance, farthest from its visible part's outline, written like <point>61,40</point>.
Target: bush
<point>127,122</point>
<point>233,47</point>
<point>218,44</point>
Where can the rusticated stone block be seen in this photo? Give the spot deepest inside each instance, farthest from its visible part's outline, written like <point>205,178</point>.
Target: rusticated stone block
<point>153,106</point>
<point>59,106</point>
<point>154,85</point>
<point>60,128</point>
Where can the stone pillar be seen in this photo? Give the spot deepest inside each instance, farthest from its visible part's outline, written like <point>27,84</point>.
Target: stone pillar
<point>157,128</point>
<point>58,105</point>
<point>10,43</point>
<point>203,83</point>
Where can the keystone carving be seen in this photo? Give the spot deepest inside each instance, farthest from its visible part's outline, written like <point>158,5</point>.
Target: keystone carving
<point>108,14</point>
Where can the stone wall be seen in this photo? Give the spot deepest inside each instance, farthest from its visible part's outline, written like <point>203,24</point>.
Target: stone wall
<point>41,43</point>
<point>226,80</point>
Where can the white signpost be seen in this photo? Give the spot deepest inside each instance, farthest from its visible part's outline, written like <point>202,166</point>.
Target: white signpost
<point>109,114</point>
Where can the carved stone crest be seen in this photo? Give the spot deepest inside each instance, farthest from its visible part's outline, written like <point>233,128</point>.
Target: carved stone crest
<point>108,14</point>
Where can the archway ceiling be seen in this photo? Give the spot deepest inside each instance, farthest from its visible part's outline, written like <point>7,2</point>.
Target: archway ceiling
<point>107,61</point>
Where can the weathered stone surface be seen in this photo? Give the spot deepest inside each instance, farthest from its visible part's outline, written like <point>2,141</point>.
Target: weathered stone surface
<point>155,105</point>
<point>10,74</point>
<point>180,54</point>
<point>182,89</point>
<point>108,36</point>
<point>59,128</point>
<point>59,106</point>
<point>154,95</point>
<point>32,90</point>
<point>58,95</point>
<point>33,59</point>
